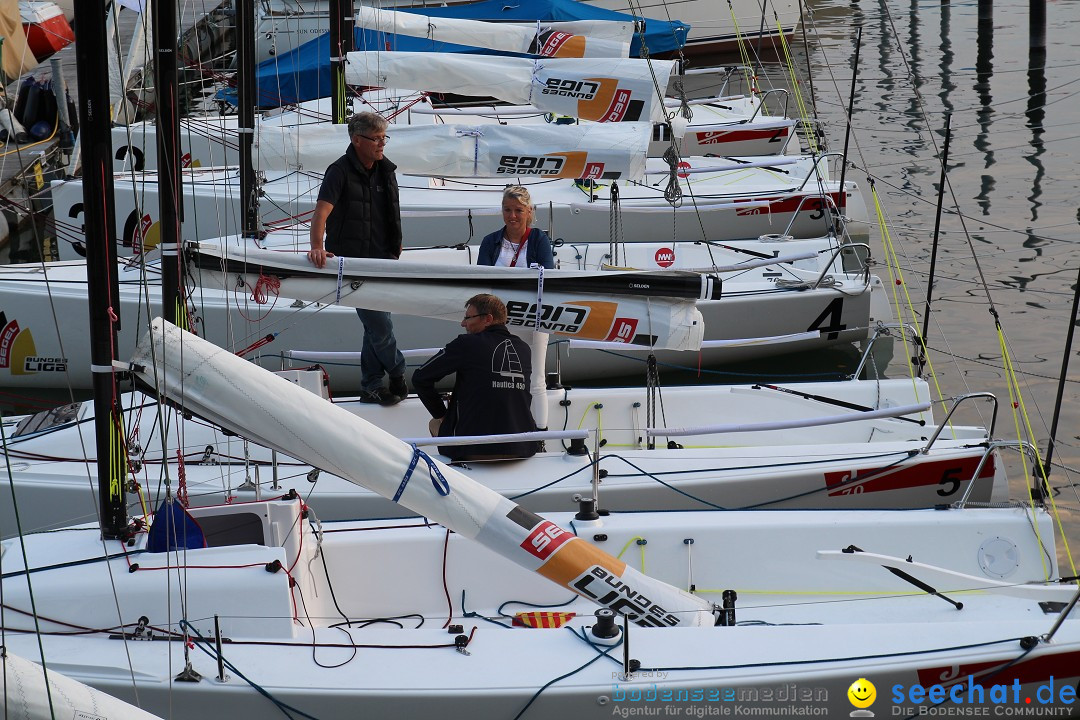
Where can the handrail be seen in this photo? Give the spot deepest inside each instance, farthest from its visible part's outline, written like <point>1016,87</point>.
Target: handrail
<point>798,209</point>
<point>764,95</point>
<point>1025,447</point>
<point>858,416</point>
<point>835,254</point>
<point>503,437</point>
<point>884,330</point>
<point>956,404</point>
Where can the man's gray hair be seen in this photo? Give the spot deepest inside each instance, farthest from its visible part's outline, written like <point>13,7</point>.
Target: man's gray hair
<point>366,123</point>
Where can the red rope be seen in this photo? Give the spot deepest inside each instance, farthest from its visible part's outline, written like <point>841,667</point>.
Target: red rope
<point>266,285</point>
<point>181,479</point>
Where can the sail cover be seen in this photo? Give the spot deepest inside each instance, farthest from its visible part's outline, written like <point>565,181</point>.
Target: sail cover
<point>649,308</point>
<point>607,151</point>
<point>546,39</point>
<point>617,90</point>
<point>217,385</point>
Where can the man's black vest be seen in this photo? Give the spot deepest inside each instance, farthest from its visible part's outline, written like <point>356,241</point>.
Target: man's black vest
<point>350,231</point>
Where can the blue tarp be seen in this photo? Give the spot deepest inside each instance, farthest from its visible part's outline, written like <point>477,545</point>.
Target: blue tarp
<point>304,72</point>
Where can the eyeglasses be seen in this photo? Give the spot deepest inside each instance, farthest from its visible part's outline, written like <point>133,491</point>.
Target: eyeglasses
<point>378,141</point>
<point>470,317</point>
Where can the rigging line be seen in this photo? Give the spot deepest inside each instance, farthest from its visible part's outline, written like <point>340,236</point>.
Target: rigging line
<point>954,212</point>
<point>1020,413</point>
<point>599,654</point>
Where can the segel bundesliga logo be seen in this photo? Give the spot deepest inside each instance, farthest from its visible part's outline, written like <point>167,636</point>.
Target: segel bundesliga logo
<point>574,165</point>
<point>567,319</point>
<point>530,165</point>
<point>18,354</point>
<point>577,89</point>
<point>607,589</point>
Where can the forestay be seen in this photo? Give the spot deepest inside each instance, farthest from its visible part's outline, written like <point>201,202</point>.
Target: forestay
<point>621,90</point>
<point>546,39</point>
<point>216,384</point>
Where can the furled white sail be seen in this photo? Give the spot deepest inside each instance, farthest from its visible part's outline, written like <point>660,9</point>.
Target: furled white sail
<point>216,384</point>
<point>601,151</point>
<point>546,39</point>
<point>657,309</point>
<point>31,693</point>
<point>615,91</point>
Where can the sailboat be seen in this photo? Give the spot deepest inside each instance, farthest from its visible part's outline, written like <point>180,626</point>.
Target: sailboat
<point>478,606</point>
<point>263,602</point>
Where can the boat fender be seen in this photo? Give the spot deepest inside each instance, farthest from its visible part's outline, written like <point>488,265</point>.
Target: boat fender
<point>605,631</point>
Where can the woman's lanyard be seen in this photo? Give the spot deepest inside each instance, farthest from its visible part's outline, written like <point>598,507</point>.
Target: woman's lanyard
<point>524,239</point>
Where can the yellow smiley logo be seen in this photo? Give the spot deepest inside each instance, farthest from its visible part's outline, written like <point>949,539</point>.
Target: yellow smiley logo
<point>862,693</point>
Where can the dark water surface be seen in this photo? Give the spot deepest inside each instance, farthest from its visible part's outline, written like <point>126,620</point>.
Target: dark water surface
<point>1009,230</point>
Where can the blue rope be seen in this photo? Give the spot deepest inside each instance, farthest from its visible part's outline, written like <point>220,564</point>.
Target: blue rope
<point>437,480</point>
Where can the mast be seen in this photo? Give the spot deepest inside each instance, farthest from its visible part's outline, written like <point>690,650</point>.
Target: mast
<point>341,42</point>
<point>166,116</point>
<point>245,89</point>
<point>102,285</point>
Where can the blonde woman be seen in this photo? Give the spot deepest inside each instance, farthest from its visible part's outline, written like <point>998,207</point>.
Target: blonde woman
<point>518,243</point>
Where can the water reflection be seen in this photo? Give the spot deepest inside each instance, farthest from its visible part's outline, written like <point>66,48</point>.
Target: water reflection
<point>1036,111</point>
<point>984,70</point>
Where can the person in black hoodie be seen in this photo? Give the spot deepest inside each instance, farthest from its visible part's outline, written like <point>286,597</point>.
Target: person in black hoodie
<point>359,212</point>
<point>491,388</point>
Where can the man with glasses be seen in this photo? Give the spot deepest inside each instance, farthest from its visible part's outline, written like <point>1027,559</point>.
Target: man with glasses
<point>492,396</point>
<point>359,213</point>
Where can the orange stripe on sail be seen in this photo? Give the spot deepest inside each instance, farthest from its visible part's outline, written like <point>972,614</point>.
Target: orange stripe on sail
<point>574,558</point>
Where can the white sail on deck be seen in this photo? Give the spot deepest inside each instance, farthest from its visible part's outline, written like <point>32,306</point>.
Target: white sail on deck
<point>601,151</point>
<point>214,383</point>
<point>549,39</point>
<point>619,90</point>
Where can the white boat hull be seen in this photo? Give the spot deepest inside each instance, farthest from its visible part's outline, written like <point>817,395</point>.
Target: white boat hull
<point>808,617</point>
<point>854,465</point>
<point>718,206</point>
<point>41,353</point>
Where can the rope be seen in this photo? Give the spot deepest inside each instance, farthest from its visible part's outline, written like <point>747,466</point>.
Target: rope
<point>266,286</point>
<point>615,233</point>
<point>437,480</point>
<point>673,192</point>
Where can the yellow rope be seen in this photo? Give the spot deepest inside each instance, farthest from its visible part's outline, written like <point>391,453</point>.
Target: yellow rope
<point>640,545</point>
<point>897,284</point>
<point>744,54</point>
<point>1020,413</point>
<point>800,103</point>
<point>56,125</point>
<point>1016,400</point>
